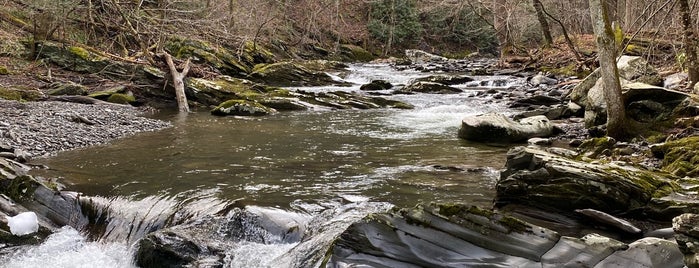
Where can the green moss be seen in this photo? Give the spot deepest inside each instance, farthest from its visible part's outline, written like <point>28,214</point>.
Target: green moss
<point>449,210</point>
<point>356,53</point>
<point>121,98</point>
<point>242,108</point>
<point>20,188</point>
<point>4,70</point>
<point>9,94</point>
<point>680,156</point>
<point>514,224</point>
<point>567,70</point>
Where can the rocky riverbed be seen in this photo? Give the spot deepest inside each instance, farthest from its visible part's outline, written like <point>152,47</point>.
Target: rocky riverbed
<point>35,129</point>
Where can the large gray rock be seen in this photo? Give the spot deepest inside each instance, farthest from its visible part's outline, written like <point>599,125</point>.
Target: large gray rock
<point>494,127</point>
<point>440,235</point>
<point>631,68</point>
<point>686,227</point>
<point>637,69</point>
<point>419,56</point>
<point>636,97</point>
<point>543,179</point>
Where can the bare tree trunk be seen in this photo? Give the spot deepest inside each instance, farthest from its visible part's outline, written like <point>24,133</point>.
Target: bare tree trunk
<point>500,25</point>
<point>545,29</point>
<point>616,112</point>
<point>690,44</point>
<point>178,81</point>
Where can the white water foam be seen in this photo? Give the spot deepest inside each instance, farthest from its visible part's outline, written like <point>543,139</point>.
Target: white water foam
<point>69,248</point>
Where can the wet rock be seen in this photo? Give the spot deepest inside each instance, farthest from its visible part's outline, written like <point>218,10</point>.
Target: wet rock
<point>376,85</point>
<point>536,100</point>
<point>610,220</point>
<point>646,252</point>
<point>498,128</point>
<point>241,108</point>
<point>352,53</point>
<point>445,79</point>
<point>441,235</point>
<point>429,87</point>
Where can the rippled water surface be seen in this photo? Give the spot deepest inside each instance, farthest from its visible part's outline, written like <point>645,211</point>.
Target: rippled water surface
<point>302,162</point>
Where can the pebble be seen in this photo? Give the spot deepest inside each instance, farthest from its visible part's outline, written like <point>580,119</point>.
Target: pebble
<point>36,129</point>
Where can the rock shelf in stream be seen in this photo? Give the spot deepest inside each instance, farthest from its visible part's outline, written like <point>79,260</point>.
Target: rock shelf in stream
<point>441,235</point>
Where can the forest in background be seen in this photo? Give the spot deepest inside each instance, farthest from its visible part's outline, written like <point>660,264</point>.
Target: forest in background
<point>384,27</point>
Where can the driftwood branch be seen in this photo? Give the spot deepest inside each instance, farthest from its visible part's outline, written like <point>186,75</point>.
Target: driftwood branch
<point>178,81</point>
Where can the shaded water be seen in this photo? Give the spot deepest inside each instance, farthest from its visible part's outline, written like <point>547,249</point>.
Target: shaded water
<point>322,166</point>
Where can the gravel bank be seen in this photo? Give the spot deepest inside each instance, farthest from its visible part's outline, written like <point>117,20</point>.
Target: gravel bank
<point>44,128</point>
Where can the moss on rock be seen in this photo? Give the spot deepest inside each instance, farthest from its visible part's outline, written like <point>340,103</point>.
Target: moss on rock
<point>680,157</point>
<point>203,52</point>
<point>121,98</point>
<point>4,70</point>
<point>241,108</point>
<point>288,74</point>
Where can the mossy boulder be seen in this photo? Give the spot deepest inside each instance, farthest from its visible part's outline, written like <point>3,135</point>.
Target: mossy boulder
<point>67,88</point>
<point>680,157</point>
<point>289,74</point>
<point>354,53</point>
<point>218,57</point>
<point>547,180</point>
<point>222,88</point>
<point>241,108</point>
<point>20,94</point>
<point>119,98</point>
<point>108,93</point>
<point>79,59</point>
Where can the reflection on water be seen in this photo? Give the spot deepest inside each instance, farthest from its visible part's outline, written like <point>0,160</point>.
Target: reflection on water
<point>277,159</point>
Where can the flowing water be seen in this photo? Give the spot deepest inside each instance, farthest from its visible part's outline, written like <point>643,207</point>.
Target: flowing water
<point>320,169</point>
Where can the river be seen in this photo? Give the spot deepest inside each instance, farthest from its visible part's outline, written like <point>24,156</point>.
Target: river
<point>325,168</point>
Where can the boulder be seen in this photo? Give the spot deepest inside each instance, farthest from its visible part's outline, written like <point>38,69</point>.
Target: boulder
<point>207,241</point>
<point>445,79</point>
<point>428,87</point>
<point>446,235</point>
<point>631,68</point>
<point>637,69</point>
<point>543,179</point>
<point>674,81</point>
<point>352,53</point>
<point>241,108</point>
<point>417,56</point>
<point>67,88</point>
<point>541,79</point>
<point>494,127</point>
<point>536,100</point>
<point>376,85</point>
<point>687,236</point>
<point>289,74</point>
<point>637,97</point>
